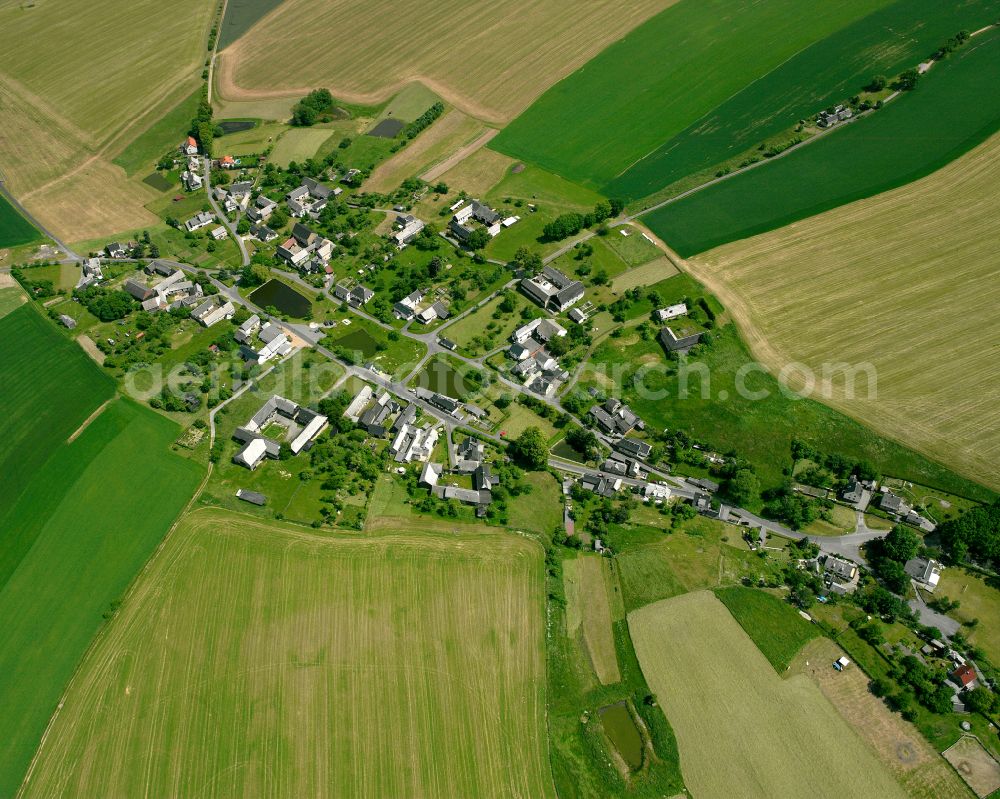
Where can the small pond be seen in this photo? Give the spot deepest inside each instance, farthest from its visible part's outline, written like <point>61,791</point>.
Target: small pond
<point>236,125</point>
<point>387,128</point>
<point>283,297</point>
<point>622,732</point>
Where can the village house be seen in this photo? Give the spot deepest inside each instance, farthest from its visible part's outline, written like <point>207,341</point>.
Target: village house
<point>199,221</point>
<point>116,250</point>
<point>551,289</point>
<point>437,310</point>
<point>616,418</point>
<point>212,311</point>
<point>827,119</point>
<point>925,572</point>
<point>671,342</point>
<point>219,233</point>
<point>244,333</point>
<point>262,233</point>
<point>406,308</point>
<point>192,180</point>
<point>841,575</point>
<point>408,227</point>
<point>241,189</point>
<point>303,426</point>
<point>356,296</point>
<point>671,312</point>
<point>190,146</point>
<point>600,485</point>
<point>262,208</point>
<point>633,448</point>
<point>543,330</point>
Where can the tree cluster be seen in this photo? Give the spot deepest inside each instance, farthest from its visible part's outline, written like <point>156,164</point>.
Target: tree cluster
<point>974,536</point>
<point>106,305</point>
<point>314,107</point>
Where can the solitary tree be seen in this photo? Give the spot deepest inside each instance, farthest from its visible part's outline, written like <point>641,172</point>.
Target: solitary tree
<point>529,449</point>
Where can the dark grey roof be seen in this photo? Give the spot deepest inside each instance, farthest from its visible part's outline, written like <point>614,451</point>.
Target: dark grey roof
<point>251,496</point>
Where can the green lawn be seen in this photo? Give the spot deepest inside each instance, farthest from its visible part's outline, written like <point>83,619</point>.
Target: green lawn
<point>887,41</point>
<point>954,107</point>
<point>550,194</point>
<point>164,136</point>
<point>714,411</point>
<point>95,511</point>
<point>49,387</point>
<point>15,230</point>
<point>663,76</point>
<point>775,626</point>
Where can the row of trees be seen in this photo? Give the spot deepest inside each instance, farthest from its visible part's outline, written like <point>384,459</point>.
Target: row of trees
<point>566,225</point>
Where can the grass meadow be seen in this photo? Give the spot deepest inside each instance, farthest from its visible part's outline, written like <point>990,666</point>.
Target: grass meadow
<point>775,626</point>
<point>710,407</point>
<point>741,729</point>
<point>887,41</point>
<point>664,76</point>
<point>93,513</point>
<point>514,58</point>
<point>980,598</point>
<point>588,613</point>
<point>15,230</point>
<point>894,282</point>
<point>263,659</point>
<point>954,108</point>
<point>653,565</point>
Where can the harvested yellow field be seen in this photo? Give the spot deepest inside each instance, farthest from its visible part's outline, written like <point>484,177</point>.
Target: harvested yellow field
<point>478,172</point>
<point>449,134</point>
<point>264,660</point>
<point>588,614</point>
<point>490,61</point>
<point>741,729</point>
<point>896,742</point>
<point>908,281</point>
<point>63,105</point>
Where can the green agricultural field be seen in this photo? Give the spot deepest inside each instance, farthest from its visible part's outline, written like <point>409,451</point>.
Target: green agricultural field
<point>257,658</point>
<point>954,107</point>
<point>887,41</point>
<point>741,729</point>
<point>93,514</point>
<point>15,230</point>
<point>49,387</point>
<point>796,291</point>
<point>240,17</point>
<point>661,78</point>
<point>775,626</point>
<point>713,410</point>
<point>163,137</point>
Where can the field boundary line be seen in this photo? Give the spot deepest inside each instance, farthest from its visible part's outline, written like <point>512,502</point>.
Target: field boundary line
<point>86,422</point>
<point>459,155</point>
